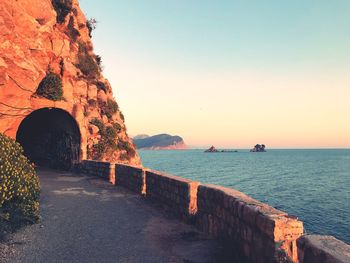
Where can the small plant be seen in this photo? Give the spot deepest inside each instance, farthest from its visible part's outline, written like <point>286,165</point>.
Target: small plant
<point>92,103</point>
<point>110,108</point>
<point>62,67</point>
<point>75,11</point>
<point>124,157</point>
<point>125,146</point>
<point>100,125</point>
<point>280,254</point>
<point>122,116</point>
<point>19,185</point>
<point>91,25</point>
<point>86,62</point>
<point>111,133</point>
<point>62,8</point>
<point>98,150</point>
<point>110,136</point>
<point>72,32</point>
<point>51,87</point>
<point>117,127</point>
<point>99,61</point>
<point>100,85</point>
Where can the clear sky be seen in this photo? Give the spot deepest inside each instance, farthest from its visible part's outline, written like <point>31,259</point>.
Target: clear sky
<point>229,73</point>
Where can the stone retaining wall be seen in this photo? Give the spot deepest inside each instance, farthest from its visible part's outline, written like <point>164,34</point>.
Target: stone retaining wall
<point>95,168</point>
<point>177,193</point>
<point>131,177</point>
<point>322,249</point>
<point>259,232</point>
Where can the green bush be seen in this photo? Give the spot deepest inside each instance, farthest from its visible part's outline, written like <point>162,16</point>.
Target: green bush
<point>98,59</point>
<point>125,146</point>
<point>99,124</point>
<point>19,185</point>
<point>72,32</point>
<point>51,87</point>
<point>107,141</point>
<point>98,150</point>
<point>86,62</point>
<point>62,8</point>
<point>124,157</point>
<point>92,103</point>
<point>102,86</point>
<point>111,133</point>
<point>110,136</point>
<point>122,116</point>
<point>110,108</point>
<point>117,127</point>
<point>91,25</point>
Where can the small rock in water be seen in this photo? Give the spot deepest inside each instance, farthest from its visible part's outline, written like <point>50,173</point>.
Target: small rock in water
<point>258,148</point>
<point>212,149</point>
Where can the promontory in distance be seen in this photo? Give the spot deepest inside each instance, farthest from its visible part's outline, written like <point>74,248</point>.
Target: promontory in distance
<point>159,142</point>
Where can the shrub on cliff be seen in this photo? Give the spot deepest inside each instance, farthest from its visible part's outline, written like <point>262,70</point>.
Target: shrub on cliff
<point>110,136</point>
<point>101,86</point>
<point>62,8</point>
<point>98,59</point>
<point>117,127</point>
<point>111,133</point>
<point>86,62</point>
<point>72,32</point>
<point>122,116</point>
<point>100,125</point>
<point>19,185</point>
<point>98,150</point>
<point>51,87</point>
<point>125,146</point>
<point>91,25</point>
<point>110,108</point>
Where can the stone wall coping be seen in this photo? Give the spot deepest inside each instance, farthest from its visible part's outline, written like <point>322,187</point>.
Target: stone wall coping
<point>172,177</point>
<point>94,161</point>
<point>328,247</point>
<point>236,195</point>
<point>131,166</point>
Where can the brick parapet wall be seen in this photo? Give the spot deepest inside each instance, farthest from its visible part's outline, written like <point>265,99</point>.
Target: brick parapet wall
<point>260,232</point>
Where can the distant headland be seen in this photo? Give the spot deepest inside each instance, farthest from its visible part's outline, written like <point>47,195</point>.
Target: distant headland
<point>159,142</point>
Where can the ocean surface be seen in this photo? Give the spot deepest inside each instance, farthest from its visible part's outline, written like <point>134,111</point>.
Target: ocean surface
<point>311,184</point>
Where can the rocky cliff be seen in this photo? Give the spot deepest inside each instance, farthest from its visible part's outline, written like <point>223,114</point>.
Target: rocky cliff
<point>47,62</point>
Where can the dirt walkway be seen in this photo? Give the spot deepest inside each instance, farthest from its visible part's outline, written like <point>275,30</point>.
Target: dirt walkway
<point>85,219</point>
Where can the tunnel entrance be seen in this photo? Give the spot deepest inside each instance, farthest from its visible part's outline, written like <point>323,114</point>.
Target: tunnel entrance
<point>50,137</point>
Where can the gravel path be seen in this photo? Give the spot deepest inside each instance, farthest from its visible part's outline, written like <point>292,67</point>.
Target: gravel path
<point>85,219</point>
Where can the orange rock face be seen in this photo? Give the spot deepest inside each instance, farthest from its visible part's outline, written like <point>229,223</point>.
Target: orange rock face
<point>32,43</point>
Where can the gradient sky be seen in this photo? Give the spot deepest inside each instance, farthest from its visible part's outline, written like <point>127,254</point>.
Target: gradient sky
<point>229,73</point>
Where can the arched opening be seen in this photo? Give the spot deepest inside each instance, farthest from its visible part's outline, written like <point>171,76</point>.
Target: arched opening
<point>50,137</point>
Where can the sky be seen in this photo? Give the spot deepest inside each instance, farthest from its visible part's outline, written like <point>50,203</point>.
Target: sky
<point>229,73</point>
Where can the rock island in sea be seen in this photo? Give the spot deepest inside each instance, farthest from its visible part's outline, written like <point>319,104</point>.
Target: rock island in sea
<point>258,148</point>
<point>212,149</point>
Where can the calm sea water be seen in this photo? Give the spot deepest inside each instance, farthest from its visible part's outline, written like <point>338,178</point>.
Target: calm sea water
<point>311,184</point>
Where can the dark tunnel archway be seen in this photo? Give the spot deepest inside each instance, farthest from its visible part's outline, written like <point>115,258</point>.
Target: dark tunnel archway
<point>50,137</point>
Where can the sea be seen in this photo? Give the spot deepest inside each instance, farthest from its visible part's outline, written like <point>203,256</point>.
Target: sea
<point>313,185</point>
